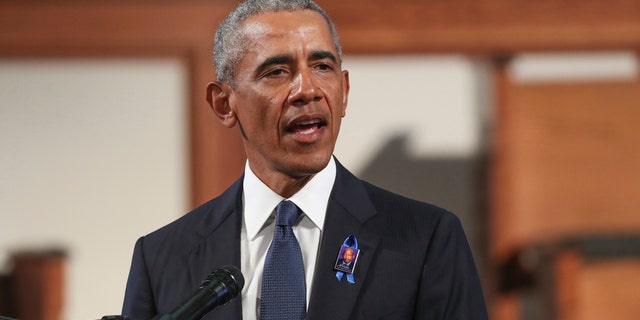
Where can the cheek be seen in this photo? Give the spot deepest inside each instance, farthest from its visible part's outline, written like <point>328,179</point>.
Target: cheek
<point>266,97</point>
<point>260,114</point>
<point>338,101</point>
<point>339,109</point>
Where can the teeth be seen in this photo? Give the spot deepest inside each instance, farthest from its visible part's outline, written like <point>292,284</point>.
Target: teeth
<point>306,123</point>
<point>306,126</point>
<point>306,131</point>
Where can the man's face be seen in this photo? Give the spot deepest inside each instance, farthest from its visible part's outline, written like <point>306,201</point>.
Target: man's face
<point>290,93</point>
<point>347,255</point>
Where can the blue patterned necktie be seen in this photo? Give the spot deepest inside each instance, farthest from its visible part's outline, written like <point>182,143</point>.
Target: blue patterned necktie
<point>283,294</point>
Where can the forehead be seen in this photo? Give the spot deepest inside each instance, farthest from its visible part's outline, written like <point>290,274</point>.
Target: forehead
<point>287,30</point>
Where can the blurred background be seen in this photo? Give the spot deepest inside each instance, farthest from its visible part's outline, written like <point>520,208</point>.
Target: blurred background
<point>519,116</point>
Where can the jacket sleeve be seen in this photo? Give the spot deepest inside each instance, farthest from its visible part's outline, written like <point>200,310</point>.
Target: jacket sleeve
<point>138,299</point>
<point>450,287</point>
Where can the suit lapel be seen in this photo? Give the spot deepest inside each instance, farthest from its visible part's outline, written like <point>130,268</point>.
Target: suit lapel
<point>348,211</point>
<point>220,245</point>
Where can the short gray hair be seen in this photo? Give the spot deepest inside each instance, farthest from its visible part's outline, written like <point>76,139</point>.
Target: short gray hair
<point>228,44</point>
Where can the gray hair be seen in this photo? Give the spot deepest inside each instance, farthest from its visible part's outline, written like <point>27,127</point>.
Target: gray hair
<point>228,44</point>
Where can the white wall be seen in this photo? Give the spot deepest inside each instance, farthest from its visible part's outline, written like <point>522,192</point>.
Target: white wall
<point>93,155</point>
<point>581,66</point>
<point>434,99</point>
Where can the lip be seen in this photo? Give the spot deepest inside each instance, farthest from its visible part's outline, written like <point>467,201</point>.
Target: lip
<point>306,128</point>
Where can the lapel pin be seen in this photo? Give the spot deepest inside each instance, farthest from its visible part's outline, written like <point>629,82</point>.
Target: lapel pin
<point>347,258</point>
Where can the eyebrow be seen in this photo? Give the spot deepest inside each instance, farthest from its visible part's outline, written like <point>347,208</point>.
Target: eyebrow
<point>285,59</point>
<point>279,59</point>
<point>319,55</point>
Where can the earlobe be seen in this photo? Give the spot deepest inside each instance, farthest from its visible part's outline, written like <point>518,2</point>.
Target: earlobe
<point>218,99</point>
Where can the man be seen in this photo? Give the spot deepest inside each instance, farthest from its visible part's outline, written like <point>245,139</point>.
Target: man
<point>347,262</point>
<point>281,83</point>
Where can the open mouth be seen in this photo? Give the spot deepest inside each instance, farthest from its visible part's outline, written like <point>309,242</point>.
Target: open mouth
<point>306,126</point>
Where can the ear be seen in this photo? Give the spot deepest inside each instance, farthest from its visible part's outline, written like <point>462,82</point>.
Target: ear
<point>345,91</point>
<point>218,98</point>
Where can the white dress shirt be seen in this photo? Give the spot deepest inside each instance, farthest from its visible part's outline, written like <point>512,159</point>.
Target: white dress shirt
<point>259,203</point>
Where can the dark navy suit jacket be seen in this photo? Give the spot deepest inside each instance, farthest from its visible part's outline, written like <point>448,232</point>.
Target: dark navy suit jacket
<point>414,260</point>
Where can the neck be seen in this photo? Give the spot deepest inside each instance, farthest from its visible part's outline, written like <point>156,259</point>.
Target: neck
<point>288,187</point>
<point>285,185</point>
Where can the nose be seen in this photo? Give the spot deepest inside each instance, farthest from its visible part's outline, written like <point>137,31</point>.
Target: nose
<point>304,89</point>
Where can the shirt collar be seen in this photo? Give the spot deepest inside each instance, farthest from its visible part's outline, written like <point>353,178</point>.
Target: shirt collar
<point>260,201</point>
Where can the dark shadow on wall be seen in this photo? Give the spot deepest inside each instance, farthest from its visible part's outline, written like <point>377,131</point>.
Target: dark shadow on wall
<point>457,184</point>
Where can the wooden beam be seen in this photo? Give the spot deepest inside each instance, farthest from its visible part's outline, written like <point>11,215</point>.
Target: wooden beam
<point>366,26</point>
<point>486,26</point>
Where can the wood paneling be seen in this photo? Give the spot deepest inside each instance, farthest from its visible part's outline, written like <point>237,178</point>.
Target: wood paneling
<point>592,290</point>
<point>366,26</point>
<point>486,26</point>
<point>567,162</point>
<point>610,289</point>
<point>579,279</point>
<point>37,285</point>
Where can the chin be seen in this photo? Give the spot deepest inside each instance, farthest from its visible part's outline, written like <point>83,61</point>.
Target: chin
<point>307,165</point>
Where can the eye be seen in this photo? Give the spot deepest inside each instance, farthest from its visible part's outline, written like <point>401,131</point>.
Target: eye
<point>274,72</point>
<point>324,66</point>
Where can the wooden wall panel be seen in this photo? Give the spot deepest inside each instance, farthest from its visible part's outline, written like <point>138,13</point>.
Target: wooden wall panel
<point>609,289</point>
<point>567,162</point>
<point>485,26</point>
<point>37,285</point>
<point>600,289</point>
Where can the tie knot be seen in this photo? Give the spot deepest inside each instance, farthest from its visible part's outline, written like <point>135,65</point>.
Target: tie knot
<point>286,213</point>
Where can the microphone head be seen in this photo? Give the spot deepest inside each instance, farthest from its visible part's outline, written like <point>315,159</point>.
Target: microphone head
<point>235,274</point>
<point>221,286</point>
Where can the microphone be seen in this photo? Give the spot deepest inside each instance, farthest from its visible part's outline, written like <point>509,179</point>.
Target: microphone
<point>220,287</point>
